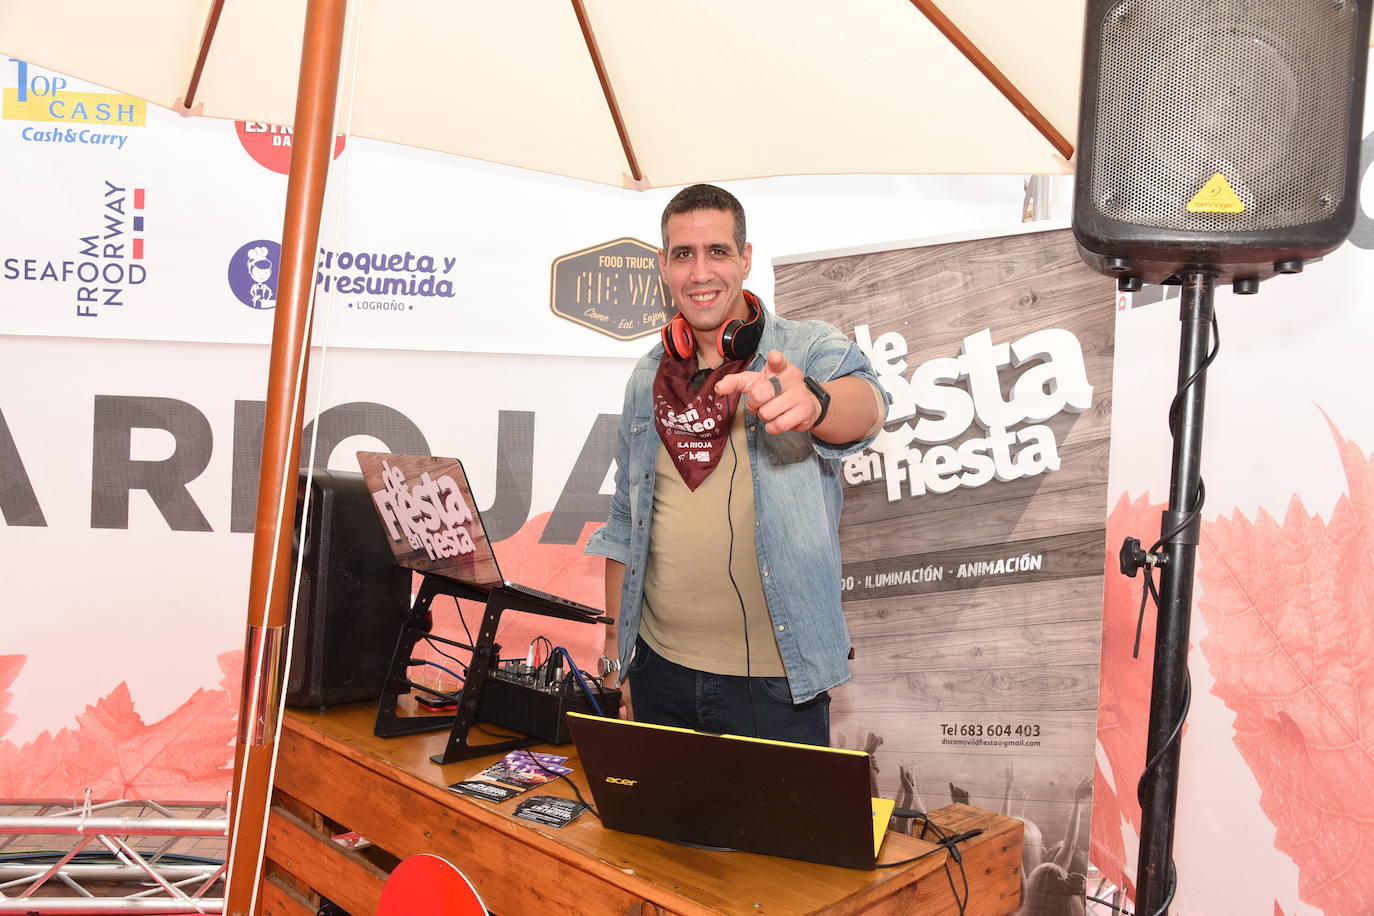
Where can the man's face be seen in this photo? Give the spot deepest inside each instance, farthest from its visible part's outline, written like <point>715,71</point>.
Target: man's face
<point>704,273</point>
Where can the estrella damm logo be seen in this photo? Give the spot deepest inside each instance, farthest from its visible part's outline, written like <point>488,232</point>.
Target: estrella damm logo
<point>44,97</point>
<point>270,144</point>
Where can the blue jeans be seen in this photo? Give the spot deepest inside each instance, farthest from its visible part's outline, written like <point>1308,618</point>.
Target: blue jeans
<point>665,693</point>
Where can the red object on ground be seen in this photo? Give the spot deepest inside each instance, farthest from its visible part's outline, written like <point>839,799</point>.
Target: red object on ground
<point>426,885</point>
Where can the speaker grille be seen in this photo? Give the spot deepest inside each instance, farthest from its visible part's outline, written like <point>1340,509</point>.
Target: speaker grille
<point>1258,91</point>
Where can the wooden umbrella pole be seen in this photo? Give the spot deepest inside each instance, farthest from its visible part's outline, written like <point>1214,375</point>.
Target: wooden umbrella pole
<point>311,148</point>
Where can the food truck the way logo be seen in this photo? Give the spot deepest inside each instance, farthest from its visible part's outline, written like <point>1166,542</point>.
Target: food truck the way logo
<point>108,253</point>
<point>68,115</point>
<point>941,400</point>
<point>613,288</point>
<point>430,515</point>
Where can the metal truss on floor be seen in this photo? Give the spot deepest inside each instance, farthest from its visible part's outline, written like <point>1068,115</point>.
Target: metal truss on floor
<point>102,872</point>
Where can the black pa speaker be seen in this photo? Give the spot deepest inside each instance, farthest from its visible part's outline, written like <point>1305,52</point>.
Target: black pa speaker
<point>1218,134</point>
<point>352,597</point>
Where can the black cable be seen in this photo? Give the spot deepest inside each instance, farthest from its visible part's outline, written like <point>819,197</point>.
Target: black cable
<point>449,671</point>
<point>948,843</point>
<point>730,568</point>
<point>1157,549</point>
<point>429,640</point>
<point>1111,906</point>
<point>466,632</point>
<point>101,856</point>
<point>525,746</point>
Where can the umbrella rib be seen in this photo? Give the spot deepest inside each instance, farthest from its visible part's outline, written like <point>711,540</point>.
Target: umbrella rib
<point>995,76</point>
<point>585,22</point>
<point>206,40</point>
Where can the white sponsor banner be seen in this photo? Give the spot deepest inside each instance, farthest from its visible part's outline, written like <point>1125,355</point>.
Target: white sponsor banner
<point>128,519</point>
<point>170,231</point>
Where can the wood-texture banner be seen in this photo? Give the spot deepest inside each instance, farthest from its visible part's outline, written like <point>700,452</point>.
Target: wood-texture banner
<point>973,528</point>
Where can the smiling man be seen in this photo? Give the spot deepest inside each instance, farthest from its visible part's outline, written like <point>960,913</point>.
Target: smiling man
<point>722,550</point>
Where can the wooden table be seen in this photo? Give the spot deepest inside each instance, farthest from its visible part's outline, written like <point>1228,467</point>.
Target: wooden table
<point>333,776</point>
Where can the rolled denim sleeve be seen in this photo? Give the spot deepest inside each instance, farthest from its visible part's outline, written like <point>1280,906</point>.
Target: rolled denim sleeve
<point>831,356</point>
<point>612,540</point>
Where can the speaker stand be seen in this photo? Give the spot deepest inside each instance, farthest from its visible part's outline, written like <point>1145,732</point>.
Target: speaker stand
<point>1180,525</point>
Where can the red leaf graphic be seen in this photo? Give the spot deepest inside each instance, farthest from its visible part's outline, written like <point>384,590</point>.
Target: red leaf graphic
<point>1291,647</point>
<point>186,756</point>
<point>1124,695</point>
<point>9,670</point>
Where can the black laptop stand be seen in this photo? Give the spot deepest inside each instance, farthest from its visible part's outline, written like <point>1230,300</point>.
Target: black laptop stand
<point>418,624</point>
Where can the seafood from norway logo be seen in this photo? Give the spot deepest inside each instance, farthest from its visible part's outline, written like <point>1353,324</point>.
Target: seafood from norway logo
<point>108,261</point>
<point>430,515</point>
<point>78,117</point>
<point>270,144</point>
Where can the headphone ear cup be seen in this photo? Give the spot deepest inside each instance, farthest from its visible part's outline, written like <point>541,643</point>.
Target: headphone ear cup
<point>739,339</point>
<point>726,338</point>
<point>678,339</point>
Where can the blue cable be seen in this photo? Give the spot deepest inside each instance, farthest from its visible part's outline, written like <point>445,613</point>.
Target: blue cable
<point>596,707</point>
<point>450,672</point>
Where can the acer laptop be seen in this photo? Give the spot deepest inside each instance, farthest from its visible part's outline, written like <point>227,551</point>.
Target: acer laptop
<point>729,792</point>
<point>433,526</point>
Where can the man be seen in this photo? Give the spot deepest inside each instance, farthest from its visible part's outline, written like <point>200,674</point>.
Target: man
<point>723,561</point>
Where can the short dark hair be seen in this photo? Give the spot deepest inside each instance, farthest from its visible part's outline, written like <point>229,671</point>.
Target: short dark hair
<point>705,197</point>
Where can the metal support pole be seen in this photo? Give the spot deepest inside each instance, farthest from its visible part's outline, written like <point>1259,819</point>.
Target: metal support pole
<point>1159,790</point>
<point>312,144</point>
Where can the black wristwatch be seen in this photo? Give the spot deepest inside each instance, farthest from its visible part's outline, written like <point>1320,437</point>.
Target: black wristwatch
<point>821,394</point>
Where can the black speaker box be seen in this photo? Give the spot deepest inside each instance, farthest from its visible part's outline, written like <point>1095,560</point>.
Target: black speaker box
<point>1266,94</point>
<point>352,597</point>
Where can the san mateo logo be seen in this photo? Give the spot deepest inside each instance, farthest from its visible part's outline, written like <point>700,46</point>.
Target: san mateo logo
<point>270,144</point>
<point>76,117</point>
<point>108,261</point>
<point>613,288</point>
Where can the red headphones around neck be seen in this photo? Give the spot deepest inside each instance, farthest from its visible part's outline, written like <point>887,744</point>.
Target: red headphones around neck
<point>735,339</point>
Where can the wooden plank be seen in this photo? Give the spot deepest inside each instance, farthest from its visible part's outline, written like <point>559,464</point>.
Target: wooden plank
<point>974,690</point>
<point>1038,604</point>
<point>1013,646</point>
<point>1042,516</point>
<point>927,273</point>
<point>389,792</point>
<point>342,875</point>
<point>992,864</point>
<point>976,566</point>
<point>276,899</point>
<point>507,868</point>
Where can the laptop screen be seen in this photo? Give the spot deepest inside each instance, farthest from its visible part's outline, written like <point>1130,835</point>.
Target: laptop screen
<point>430,518</point>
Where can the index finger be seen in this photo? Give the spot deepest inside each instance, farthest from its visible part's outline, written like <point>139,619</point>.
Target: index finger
<point>735,381</point>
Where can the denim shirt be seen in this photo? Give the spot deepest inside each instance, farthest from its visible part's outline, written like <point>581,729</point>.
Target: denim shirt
<point>797,498</point>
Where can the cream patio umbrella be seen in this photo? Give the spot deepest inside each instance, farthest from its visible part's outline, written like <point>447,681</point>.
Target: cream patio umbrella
<point>623,92</point>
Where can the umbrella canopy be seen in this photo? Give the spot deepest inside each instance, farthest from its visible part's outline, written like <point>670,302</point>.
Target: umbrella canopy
<point>619,92</point>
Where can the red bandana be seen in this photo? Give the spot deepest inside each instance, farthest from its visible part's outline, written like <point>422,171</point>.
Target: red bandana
<point>693,424</point>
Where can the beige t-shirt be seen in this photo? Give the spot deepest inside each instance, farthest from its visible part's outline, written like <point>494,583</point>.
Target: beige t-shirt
<point>692,614</point>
